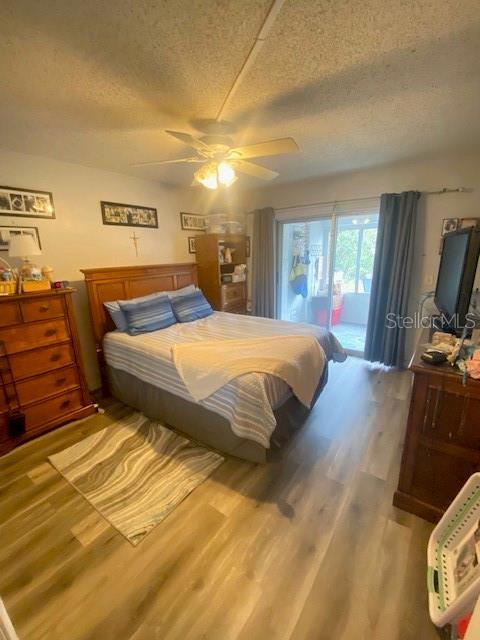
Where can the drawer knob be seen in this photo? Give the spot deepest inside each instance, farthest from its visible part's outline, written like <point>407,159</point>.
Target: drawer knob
<point>55,357</point>
<point>65,404</point>
<point>44,307</point>
<point>50,332</point>
<point>60,381</point>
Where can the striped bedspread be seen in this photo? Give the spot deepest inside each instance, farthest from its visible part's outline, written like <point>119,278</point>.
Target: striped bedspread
<point>246,402</point>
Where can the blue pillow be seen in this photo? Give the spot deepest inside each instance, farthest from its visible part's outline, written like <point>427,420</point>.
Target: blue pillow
<point>176,293</point>
<point>117,314</point>
<point>193,306</point>
<point>147,315</point>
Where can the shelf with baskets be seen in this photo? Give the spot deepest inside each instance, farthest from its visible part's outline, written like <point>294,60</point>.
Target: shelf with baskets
<point>221,260</point>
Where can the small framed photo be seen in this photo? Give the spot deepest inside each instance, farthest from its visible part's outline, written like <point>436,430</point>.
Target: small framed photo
<point>469,222</point>
<point>128,215</point>
<point>191,244</point>
<point>449,224</point>
<point>26,203</point>
<point>192,221</point>
<point>7,232</point>
<point>247,247</point>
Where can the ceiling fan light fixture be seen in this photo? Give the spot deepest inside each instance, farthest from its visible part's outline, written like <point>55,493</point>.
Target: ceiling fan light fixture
<point>207,176</point>
<point>226,174</point>
<point>216,174</point>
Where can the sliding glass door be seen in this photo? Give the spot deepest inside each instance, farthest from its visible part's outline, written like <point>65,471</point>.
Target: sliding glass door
<point>354,251</point>
<point>304,282</point>
<point>325,272</point>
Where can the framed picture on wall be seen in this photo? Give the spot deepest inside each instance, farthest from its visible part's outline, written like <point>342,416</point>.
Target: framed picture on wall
<point>192,221</point>
<point>26,203</point>
<point>128,215</point>
<point>449,224</point>
<point>191,244</point>
<point>7,232</point>
<point>469,222</point>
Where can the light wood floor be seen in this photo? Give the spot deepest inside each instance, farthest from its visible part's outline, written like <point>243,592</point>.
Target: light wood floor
<point>306,547</point>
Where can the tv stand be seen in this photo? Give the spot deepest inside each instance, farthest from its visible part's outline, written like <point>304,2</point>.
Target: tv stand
<point>442,443</point>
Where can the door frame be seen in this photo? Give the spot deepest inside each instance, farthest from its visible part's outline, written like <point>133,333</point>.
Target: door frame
<point>332,242</point>
<point>279,252</point>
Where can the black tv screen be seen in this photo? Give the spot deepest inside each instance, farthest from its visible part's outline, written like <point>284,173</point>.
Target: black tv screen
<point>450,273</point>
<point>456,274</point>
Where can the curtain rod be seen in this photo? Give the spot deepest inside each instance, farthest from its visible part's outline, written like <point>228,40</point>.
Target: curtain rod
<point>424,193</point>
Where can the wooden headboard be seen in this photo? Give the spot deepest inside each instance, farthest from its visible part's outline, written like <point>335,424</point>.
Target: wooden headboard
<point>122,283</point>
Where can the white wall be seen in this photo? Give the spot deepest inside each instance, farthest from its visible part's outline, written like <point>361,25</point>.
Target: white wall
<point>428,174</point>
<point>77,238</point>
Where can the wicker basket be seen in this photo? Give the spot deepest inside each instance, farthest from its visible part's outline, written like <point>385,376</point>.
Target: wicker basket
<point>8,287</point>
<point>453,558</point>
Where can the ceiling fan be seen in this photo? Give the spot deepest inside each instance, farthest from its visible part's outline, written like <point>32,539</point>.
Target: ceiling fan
<point>220,159</point>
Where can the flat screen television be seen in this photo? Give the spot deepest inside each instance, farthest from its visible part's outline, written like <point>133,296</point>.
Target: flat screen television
<point>456,276</point>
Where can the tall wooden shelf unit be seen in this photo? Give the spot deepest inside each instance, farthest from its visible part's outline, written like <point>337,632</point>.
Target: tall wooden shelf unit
<point>223,296</point>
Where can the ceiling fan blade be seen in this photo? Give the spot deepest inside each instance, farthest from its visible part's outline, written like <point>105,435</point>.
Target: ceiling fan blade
<point>151,164</point>
<point>254,170</point>
<point>188,139</point>
<point>262,149</point>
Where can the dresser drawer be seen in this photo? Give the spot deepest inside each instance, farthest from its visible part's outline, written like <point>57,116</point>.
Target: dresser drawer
<point>232,293</point>
<point>3,397</point>
<point>47,385</point>
<point>236,307</point>
<point>452,414</point>
<point>30,336</point>
<point>3,427</point>
<point>439,476</point>
<point>29,364</point>
<point>44,412</point>
<point>42,308</point>
<point>9,314</point>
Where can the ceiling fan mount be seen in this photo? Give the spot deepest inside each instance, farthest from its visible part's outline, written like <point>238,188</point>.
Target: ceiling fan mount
<point>224,143</point>
<point>213,127</point>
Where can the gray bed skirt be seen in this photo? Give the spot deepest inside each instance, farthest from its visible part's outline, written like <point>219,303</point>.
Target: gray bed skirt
<point>204,425</point>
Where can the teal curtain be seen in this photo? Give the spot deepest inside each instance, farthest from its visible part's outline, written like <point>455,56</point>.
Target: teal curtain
<point>392,273</point>
<point>263,263</point>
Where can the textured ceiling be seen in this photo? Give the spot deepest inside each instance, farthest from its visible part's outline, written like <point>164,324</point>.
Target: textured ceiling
<point>356,82</point>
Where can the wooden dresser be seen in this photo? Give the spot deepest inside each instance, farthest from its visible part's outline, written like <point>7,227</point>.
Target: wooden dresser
<point>41,364</point>
<point>223,296</point>
<point>442,444</point>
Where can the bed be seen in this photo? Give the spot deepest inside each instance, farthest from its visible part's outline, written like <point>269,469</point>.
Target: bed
<point>247,417</point>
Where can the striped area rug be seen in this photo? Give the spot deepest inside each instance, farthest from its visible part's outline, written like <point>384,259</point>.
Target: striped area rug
<point>135,472</point>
